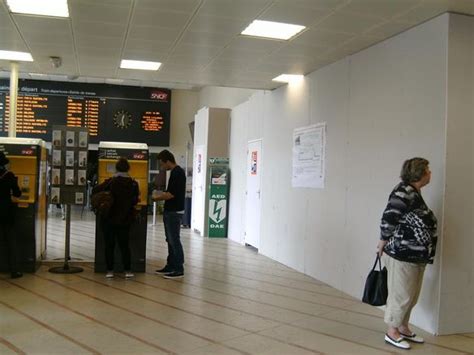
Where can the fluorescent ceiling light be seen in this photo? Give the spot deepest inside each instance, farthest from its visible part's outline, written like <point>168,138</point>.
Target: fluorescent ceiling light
<point>138,64</point>
<point>12,55</point>
<point>114,81</point>
<point>268,29</point>
<point>39,75</point>
<point>288,78</point>
<point>55,8</point>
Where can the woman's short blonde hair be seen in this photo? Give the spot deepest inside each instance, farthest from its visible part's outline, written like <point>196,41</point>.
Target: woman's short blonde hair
<point>413,169</point>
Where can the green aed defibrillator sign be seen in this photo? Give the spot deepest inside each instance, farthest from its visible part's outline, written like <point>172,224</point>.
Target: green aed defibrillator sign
<point>218,197</point>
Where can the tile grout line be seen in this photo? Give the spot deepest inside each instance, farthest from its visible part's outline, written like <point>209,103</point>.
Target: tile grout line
<point>174,307</point>
<point>133,312</point>
<point>315,282</point>
<point>87,317</point>
<point>174,327</point>
<point>11,346</point>
<point>265,282</point>
<point>53,330</point>
<point>269,304</point>
<point>145,298</point>
<point>257,332</point>
<point>240,297</point>
<point>265,318</point>
<point>286,323</point>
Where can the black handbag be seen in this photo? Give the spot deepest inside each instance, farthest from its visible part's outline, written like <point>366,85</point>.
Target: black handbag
<point>375,290</point>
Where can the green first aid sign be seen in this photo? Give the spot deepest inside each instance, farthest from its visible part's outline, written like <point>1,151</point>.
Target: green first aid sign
<point>218,199</point>
<point>217,215</point>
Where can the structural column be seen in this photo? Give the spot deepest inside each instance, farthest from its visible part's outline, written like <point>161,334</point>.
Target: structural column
<point>13,99</point>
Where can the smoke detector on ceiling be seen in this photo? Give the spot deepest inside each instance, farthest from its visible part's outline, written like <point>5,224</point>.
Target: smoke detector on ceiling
<point>55,62</point>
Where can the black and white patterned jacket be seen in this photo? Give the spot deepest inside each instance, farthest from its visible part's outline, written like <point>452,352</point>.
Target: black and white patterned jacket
<point>409,226</point>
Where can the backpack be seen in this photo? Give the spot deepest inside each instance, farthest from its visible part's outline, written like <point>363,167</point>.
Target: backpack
<point>102,202</point>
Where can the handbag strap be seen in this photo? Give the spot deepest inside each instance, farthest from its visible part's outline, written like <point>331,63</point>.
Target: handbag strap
<point>375,263</point>
<point>4,173</point>
<point>109,183</point>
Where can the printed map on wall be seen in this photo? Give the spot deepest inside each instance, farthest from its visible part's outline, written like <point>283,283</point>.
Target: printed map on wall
<point>309,146</point>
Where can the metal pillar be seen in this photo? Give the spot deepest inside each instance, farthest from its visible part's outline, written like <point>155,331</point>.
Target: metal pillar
<point>13,99</point>
<point>66,268</point>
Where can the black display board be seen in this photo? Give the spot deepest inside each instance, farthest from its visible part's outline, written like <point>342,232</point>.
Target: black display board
<point>110,112</point>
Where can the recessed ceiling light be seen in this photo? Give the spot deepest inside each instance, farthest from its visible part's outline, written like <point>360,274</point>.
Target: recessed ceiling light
<point>114,81</point>
<point>139,64</point>
<point>269,29</point>
<point>288,78</point>
<point>38,75</point>
<point>12,55</point>
<point>55,8</point>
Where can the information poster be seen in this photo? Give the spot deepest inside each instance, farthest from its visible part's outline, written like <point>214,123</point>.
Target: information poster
<point>309,155</point>
<point>69,162</point>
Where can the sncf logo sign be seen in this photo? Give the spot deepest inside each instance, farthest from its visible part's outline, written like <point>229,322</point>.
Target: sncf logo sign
<point>138,156</point>
<point>27,152</point>
<point>159,95</point>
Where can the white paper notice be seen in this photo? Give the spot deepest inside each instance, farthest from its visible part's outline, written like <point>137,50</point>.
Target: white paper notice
<point>55,195</point>
<point>79,198</point>
<point>309,146</point>
<point>81,177</point>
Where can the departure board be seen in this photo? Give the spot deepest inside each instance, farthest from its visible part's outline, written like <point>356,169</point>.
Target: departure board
<point>109,112</point>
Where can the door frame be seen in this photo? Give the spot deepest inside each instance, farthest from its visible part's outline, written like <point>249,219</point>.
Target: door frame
<point>259,140</point>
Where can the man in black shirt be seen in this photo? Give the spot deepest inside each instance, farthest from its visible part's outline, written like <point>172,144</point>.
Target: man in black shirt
<point>173,213</point>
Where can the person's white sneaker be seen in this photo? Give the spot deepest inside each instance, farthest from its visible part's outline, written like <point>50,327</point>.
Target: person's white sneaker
<point>109,275</point>
<point>399,343</point>
<point>129,274</point>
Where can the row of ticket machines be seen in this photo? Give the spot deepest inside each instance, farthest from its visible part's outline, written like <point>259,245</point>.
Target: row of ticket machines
<point>29,162</point>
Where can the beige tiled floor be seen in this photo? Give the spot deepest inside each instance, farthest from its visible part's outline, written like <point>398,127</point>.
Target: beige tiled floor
<point>231,301</point>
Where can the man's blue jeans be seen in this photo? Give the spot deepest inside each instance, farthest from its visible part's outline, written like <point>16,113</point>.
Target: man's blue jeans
<point>172,222</point>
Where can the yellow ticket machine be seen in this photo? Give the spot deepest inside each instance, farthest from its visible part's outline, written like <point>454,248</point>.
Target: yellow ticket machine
<point>28,161</point>
<point>137,155</point>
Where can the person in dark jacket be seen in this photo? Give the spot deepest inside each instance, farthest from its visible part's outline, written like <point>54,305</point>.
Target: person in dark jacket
<point>408,238</point>
<point>116,225</point>
<point>173,196</point>
<point>8,188</point>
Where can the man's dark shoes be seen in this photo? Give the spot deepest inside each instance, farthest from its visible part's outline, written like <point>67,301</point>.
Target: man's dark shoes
<point>165,270</point>
<point>174,275</point>
<point>16,274</point>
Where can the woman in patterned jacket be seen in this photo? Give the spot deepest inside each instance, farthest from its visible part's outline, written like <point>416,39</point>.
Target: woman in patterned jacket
<point>408,237</point>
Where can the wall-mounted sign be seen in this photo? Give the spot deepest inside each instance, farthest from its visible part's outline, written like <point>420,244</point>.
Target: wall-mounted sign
<point>109,112</point>
<point>309,155</point>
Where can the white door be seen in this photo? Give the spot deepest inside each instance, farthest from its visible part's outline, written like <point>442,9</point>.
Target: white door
<point>253,195</point>
<point>199,189</point>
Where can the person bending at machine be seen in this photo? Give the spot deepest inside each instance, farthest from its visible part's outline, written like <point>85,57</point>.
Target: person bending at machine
<point>117,223</point>
<point>8,187</point>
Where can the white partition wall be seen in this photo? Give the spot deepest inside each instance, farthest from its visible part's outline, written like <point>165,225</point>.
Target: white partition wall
<point>238,158</point>
<point>408,96</point>
<point>457,263</point>
<point>211,140</point>
<point>246,125</point>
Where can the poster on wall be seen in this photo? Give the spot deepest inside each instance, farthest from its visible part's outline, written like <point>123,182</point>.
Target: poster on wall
<point>309,155</point>
<point>199,161</point>
<point>253,163</point>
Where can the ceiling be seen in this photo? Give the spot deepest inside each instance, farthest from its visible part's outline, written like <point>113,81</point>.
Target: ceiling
<point>199,41</point>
